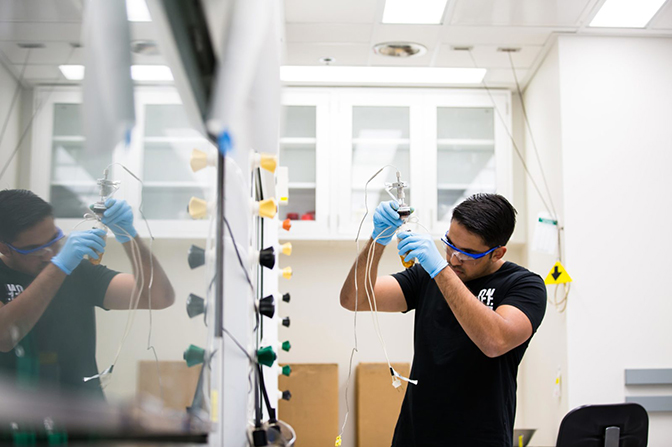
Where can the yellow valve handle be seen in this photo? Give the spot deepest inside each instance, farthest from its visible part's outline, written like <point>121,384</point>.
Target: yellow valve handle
<point>198,208</point>
<point>267,208</point>
<point>269,162</point>
<point>199,160</point>
<point>286,249</point>
<point>338,441</point>
<point>287,273</point>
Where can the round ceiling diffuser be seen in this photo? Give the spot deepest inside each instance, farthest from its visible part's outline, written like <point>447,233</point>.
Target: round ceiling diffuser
<point>399,49</point>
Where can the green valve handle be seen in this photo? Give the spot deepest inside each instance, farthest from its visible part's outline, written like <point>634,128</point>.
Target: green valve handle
<point>194,355</point>
<point>286,370</point>
<point>286,346</point>
<point>266,356</point>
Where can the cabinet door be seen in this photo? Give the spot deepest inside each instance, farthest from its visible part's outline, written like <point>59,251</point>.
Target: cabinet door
<point>167,140</point>
<point>62,171</point>
<point>469,152</point>
<point>304,134</point>
<point>378,133</point>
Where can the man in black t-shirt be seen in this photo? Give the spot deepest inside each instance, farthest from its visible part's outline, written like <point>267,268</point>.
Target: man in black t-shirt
<point>474,317</point>
<point>48,295</point>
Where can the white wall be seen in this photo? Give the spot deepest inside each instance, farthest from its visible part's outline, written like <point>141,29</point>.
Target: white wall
<point>604,107</point>
<point>548,350</point>
<point>8,86</point>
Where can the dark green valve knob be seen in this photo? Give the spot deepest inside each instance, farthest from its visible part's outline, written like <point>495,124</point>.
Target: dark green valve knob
<point>286,370</point>
<point>286,346</point>
<point>266,356</point>
<point>195,305</point>
<point>194,355</point>
<point>196,257</point>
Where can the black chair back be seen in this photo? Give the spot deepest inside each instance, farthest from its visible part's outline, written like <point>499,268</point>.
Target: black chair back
<point>614,425</point>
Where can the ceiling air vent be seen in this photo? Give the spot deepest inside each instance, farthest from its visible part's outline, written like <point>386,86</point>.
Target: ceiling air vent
<point>399,49</point>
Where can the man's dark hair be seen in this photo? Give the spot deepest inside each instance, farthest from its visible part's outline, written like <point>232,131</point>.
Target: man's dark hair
<point>489,216</point>
<point>20,209</point>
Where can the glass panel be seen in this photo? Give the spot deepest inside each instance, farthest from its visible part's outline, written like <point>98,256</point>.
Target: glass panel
<point>68,120</point>
<point>468,167</point>
<point>169,161</point>
<point>380,122</point>
<point>300,160</point>
<point>299,122</point>
<point>301,205</point>
<point>169,203</point>
<point>367,159</point>
<point>448,200</point>
<point>72,201</point>
<point>71,163</point>
<point>168,120</point>
<point>466,123</point>
<point>73,170</point>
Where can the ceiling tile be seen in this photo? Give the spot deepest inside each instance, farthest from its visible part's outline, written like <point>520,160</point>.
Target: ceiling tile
<point>328,32</point>
<point>342,11</point>
<point>486,35</point>
<point>663,20</point>
<point>487,56</point>
<point>40,11</point>
<point>519,12</point>
<point>40,32</point>
<point>49,73</point>
<point>427,35</point>
<point>343,54</point>
<point>52,53</point>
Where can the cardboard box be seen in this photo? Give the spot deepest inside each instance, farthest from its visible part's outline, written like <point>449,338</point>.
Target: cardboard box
<point>313,409</point>
<point>378,403</point>
<point>178,380</point>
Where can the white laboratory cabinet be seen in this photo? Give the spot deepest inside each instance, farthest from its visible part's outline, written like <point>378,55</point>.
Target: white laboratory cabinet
<point>65,174</point>
<point>446,143</point>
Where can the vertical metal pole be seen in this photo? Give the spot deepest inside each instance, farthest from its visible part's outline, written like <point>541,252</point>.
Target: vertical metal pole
<point>219,241</point>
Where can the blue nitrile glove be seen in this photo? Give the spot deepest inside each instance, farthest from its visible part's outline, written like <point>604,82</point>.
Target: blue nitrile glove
<point>119,219</point>
<point>385,221</point>
<point>77,246</point>
<point>422,247</point>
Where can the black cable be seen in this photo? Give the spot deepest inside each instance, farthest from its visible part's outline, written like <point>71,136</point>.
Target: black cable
<point>271,411</point>
<point>240,259</point>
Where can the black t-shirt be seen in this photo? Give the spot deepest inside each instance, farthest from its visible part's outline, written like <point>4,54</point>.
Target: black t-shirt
<point>60,350</point>
<point>463,398</point>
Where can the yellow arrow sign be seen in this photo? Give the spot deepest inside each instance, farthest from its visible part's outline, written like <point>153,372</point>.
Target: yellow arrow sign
<point>558,275</point>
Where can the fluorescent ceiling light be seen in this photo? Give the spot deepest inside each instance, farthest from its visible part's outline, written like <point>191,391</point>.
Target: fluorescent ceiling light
<point>72,72</point>
<point>138,72</point>
<point>151,73</point>
<point>381,75</point>
<point>626,13</point>
<point>137,11</point>
<point>425,12</point>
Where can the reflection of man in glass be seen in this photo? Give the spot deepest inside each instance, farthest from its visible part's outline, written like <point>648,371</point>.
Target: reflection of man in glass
<point>474,317</point>
<point>48,291</point>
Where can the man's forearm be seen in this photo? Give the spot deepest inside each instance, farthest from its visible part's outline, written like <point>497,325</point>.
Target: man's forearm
<point>358,273</point>
<point>485,327</point>
<point>20,315</point>
<point>162,292</point>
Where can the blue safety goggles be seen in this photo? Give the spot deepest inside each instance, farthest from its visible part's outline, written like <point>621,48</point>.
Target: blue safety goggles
<point>463,256</point>
<point>42,249</point>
